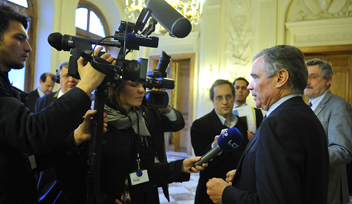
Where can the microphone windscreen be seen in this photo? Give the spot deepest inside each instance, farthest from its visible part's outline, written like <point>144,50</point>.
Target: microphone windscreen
<point>230,139</point>
<point>169,18</point>
<point>54,40</point>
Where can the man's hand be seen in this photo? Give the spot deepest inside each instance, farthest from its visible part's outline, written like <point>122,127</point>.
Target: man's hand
<point>230,175</point>
<point>90,77</point>
<point>188,163</point>
<point>215,140</point>
<point>84,131</point>
<point>215,188</point>
<point>250,134</point>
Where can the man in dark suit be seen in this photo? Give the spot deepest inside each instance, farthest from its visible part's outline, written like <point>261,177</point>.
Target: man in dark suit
<point>242,93</point>
<point>286,161</point>
<point>48,189</point>
<point>335,114</point>
<point>46,85</point>
<point>205,131</point>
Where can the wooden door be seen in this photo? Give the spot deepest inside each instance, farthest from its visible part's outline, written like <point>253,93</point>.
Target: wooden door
<point>180,98</point>
<point>340,56</point>
<point>181,70</point>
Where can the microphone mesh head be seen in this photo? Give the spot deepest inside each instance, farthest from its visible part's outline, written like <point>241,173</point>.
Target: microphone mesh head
<point>230,139</point>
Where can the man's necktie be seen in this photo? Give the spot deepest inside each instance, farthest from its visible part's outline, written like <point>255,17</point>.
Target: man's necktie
<point>309,104</point>
<point>125,197</point>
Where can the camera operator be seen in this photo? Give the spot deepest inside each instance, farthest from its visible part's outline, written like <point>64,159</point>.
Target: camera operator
<point>167,119</point>
<point>23,132</point>
<point>129,147</point>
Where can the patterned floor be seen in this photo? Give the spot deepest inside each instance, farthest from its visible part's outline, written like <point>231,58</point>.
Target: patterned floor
<point>180,193</point>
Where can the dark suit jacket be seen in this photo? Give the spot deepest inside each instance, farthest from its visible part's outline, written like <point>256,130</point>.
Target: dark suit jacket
<point>203,131</point>
<point>49,191</point>
<point>285,162</point>
<point>45,101</point>
<point>32,97</point>
<point>21,131</point>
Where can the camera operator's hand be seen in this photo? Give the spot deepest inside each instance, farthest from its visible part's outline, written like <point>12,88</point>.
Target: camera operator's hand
<point>90,77</point>
<point>84,131</point>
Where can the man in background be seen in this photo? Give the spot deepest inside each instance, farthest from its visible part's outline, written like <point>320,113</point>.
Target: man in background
<point>206,130</point>
<point>253,119</point>
<point>66,83</point>
<point>46,85</point>
<point>48,189</point>
<point>335,114</point>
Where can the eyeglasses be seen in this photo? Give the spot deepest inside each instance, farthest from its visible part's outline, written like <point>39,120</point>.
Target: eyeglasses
<point>243,88</point>
<point>65,76</point>
<point>314,77</point>
<point>220,98</point>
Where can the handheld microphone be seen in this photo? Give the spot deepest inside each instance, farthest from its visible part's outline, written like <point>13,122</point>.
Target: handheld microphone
<point>228,141</point>
<point>177,25</point>
<point>66,42</point>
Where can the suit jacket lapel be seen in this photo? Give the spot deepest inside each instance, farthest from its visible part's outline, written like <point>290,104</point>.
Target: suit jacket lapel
<point>215,122</point>
<point>323,103</point>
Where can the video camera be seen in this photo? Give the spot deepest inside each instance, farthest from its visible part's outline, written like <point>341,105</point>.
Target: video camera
<point>129,37</point>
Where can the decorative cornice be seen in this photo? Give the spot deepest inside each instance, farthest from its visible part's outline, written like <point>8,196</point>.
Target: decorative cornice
<point>320,9</point>
<point>177,45</point>
<point>323,37</point>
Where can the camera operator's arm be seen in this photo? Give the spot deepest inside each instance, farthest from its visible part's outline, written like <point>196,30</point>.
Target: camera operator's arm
<point>168,112</point>
<point>90,77</point>
<point>83,132</point>
<point>172,119</point>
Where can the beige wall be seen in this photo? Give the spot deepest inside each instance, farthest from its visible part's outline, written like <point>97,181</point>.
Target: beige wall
<point>230,33</point>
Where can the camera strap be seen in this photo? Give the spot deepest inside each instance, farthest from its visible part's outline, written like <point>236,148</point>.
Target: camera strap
<point>100,64</point>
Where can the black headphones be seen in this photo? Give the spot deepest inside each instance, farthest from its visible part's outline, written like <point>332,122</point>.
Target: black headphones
<point>58,71</point>
<point>57,77</point>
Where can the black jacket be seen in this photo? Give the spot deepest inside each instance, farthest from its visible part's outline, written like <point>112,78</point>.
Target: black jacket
<point>22,133</point>
<point>286,161</point>
<point>203,131</point>
<point>119,150</point>
<point>32,98</point>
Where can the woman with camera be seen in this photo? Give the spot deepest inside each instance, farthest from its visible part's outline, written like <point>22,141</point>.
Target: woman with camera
<point>130,170</point>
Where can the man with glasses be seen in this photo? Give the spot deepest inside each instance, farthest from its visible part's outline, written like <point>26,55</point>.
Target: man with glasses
<point>242,109</point>
<point>336,116</point>
<point>206,130</point>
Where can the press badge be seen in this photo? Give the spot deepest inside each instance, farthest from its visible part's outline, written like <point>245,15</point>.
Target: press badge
<point>138,177</point>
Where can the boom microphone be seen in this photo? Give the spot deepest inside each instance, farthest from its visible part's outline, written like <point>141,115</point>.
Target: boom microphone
<point>228,141</point>
<point>66,42</point>
<point>177,25</point>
